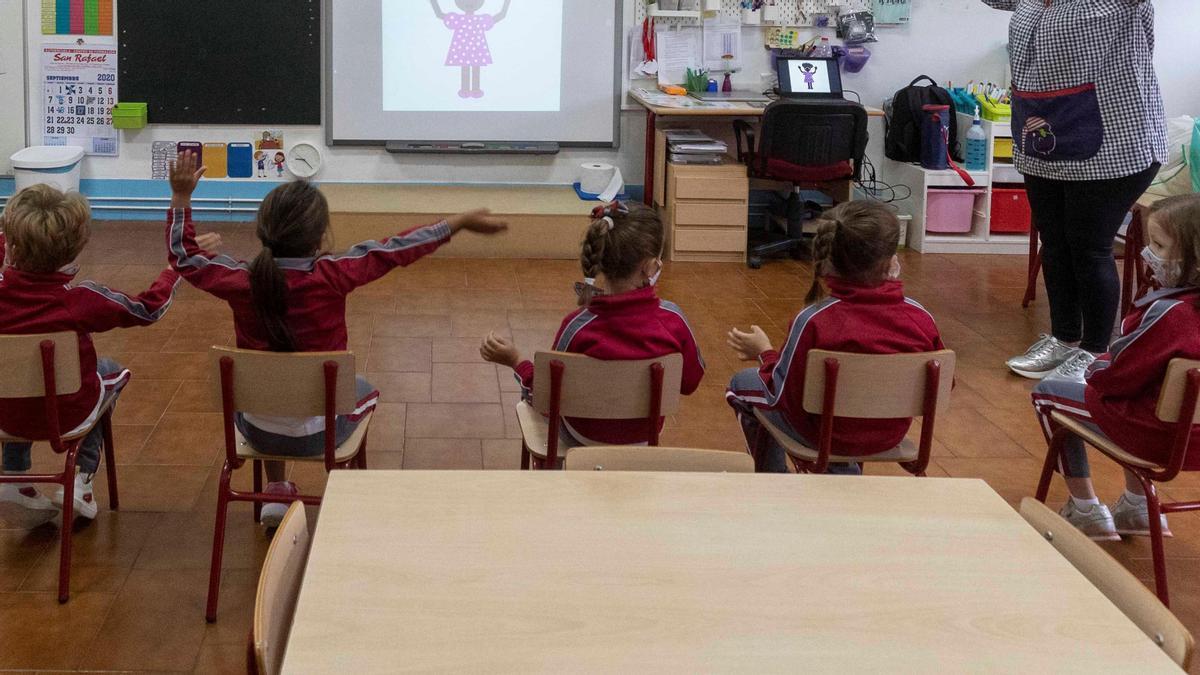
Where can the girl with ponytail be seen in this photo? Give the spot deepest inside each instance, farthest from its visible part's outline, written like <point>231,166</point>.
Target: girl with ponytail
<point>292,297</point>
<point>620,317</point>
<point>857,305</point>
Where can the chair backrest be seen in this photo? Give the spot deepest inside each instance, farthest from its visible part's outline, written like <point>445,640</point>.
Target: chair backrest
<point>288,385</point>
<point>639,458</point>
<point>595,389</point>
<point>813,133</point>
<point>21,373</point>
<point>1171,395</point>
<point>877,386</point>
<point>278,589</point>
<point>1114,581</point>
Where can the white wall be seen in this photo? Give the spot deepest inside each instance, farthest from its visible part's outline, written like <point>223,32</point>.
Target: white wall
<point>12,82</point>
<point>954,40</point>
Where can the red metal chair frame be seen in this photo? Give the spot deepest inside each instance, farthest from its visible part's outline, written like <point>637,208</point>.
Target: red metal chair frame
<point>67,478</point>
<point>1147,477</point>
<point>933,376</point>
<point>552,460</point>
<point>1134,282</point>
<point>227,494</point>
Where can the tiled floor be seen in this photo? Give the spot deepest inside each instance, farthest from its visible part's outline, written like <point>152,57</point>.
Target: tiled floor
<point>140,574</point>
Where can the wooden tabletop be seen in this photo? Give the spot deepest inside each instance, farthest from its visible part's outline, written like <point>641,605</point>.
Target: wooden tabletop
<point>625,572</point>
<point>696,108</point>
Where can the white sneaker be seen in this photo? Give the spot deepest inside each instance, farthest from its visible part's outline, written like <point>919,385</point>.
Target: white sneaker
<point>21,505</point>
<point>85,501</point>
<point>1134,519</point>
<point>272,514</point>
<point>1076,367</point>
<point>1096,522</point>
<point>1041,359</point>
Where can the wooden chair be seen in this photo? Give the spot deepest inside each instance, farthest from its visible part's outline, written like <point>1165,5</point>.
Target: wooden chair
<point>278,590</point>
<point>573,385</point>
<point>867,386</point>
<point>1176,405</point>
<point>632,458</point>
<point>45,367</point>
<point>290,385</point>
<point>1114,581</point>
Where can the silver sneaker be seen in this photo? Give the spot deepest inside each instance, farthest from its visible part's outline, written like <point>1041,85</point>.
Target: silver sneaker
<point>1043,358</point>
<point>1130,518</point>
<point>1096,522</point>
<point>1076,367</point>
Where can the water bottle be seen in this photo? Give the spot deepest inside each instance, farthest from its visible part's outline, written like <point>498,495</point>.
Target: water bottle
<point>977,145</point>
<point>935,133</point>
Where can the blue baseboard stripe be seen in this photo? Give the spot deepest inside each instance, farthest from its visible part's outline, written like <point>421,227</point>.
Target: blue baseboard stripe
<point>132,199</point>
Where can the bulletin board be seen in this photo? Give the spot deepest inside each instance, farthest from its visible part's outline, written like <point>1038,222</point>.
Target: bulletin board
<point>792,12</point>
<point>222,61</point>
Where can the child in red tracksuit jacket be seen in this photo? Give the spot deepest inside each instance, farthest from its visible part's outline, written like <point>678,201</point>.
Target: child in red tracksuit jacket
<point>292,298</point>
<point>626,321</point>
<point>866,313</point>
<point>1118,394</point>
<point>44,232</point>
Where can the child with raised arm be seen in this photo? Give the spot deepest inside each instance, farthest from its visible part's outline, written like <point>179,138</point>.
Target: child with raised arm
<point>44,231</point>
<point>866,312</point>
<point>292,297</point>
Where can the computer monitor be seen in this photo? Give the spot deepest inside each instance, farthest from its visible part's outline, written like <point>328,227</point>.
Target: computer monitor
<point>810,78</point>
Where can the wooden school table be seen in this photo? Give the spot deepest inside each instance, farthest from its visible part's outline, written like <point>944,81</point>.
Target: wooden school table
<point>656,156</point>
<point>625,572</point>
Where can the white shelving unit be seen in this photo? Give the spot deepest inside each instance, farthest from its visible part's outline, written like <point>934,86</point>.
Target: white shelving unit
<point>980,240</point>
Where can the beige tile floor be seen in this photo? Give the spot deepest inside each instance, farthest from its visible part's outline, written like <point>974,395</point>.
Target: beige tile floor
<point>140,574</point>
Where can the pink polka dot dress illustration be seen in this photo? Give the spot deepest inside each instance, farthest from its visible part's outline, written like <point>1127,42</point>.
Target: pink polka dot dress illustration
<point>469,46</point>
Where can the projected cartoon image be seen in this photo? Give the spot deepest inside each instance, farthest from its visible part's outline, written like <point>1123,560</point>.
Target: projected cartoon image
<point>469,46</point>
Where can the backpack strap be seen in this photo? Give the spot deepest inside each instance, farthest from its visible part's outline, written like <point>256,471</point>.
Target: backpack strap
<point>923,77</point>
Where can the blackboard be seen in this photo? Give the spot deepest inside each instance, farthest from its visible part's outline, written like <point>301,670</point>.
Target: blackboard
<point>222,61</point>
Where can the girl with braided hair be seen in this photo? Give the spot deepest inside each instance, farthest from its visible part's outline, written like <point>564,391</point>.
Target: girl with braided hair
<point>620,317</point>
<point>857,305</point>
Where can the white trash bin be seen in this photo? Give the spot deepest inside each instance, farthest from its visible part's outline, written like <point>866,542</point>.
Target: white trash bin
<point>52,165</point>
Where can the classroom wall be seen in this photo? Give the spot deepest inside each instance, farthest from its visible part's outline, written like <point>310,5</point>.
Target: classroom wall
<point>12,82</point>
<point>955,40</point>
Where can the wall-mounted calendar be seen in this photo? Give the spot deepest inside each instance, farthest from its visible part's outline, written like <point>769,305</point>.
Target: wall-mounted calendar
<point>79,90</point>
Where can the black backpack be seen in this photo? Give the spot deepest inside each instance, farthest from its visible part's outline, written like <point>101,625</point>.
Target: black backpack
<point>902,142</point>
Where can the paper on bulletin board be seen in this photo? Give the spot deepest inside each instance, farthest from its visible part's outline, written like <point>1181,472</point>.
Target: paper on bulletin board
<point>723,44</point>
<point>79,90</point>
<point>678,50</point>
<point>892,11</point>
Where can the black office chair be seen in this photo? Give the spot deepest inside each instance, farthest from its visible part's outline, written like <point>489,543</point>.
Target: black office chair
<point>814,145</point>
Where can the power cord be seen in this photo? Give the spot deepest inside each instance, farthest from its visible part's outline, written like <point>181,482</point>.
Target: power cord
<point>877,189</point>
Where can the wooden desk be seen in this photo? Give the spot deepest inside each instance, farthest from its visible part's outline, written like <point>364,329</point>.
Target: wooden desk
<point>698,111</point>
<point>624,572</point>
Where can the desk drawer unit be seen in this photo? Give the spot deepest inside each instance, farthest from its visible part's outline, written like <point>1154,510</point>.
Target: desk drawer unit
<point>706,212</point>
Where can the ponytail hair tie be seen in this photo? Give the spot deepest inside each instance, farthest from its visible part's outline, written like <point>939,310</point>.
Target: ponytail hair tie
<point>611,223</point>
<point>610,210</point>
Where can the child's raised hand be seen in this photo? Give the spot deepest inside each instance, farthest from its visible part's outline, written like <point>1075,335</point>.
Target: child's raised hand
<point>209,241</point>
<point>186,173</point>
<point>749,346</point>
<point>480,220</point>
<point>499,350</point>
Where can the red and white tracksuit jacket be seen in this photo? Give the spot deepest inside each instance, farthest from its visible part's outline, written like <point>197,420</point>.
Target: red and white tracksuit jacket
<point>317,287</point>
<point>1123,385</point>
<point>855,319</point>
<point>31,304</point>
<point>631,326</point>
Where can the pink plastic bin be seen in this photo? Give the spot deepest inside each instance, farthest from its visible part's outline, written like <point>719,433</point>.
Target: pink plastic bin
<point>950,211</point>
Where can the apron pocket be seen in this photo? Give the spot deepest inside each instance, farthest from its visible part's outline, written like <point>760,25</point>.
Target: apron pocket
<point>1062,125</point>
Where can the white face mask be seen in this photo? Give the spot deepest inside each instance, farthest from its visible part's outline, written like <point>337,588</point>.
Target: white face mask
<point>653,280</point>
<point>1165,272</point>
<point>894,272</point>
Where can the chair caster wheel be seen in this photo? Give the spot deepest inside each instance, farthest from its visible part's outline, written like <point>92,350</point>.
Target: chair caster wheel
<point>754,263</point>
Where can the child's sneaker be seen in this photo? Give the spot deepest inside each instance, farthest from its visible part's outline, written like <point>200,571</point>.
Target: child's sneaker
<point>1134,519</point>
<point>1043,358</point>
<point>85,501</point>
<point>1095,521</point>
<point>21,505</point>
<point>272,514</point>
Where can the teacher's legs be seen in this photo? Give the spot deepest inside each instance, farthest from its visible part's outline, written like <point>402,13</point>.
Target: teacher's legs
<point>1078,221</point>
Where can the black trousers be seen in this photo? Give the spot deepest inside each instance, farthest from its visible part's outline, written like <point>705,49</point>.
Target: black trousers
<point>1078,221</point>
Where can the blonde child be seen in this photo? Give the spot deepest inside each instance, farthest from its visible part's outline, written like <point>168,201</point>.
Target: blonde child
<point>866,312</point>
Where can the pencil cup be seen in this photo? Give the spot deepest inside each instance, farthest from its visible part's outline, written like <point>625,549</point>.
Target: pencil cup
<point>751,17</point>
<point>771,14</point>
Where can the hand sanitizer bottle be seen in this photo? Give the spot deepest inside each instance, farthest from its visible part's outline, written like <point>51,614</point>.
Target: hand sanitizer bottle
<point>977,145</point>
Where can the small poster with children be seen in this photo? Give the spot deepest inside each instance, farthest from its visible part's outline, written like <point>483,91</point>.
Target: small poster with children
<point>270,161</point>
<point>79,90</point>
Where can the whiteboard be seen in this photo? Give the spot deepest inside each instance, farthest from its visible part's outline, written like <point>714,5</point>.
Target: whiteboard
<point>12,81</point>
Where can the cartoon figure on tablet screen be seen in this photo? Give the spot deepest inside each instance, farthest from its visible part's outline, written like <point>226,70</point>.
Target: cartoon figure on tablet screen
<point>469,47</point>
<point>810,75</point>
